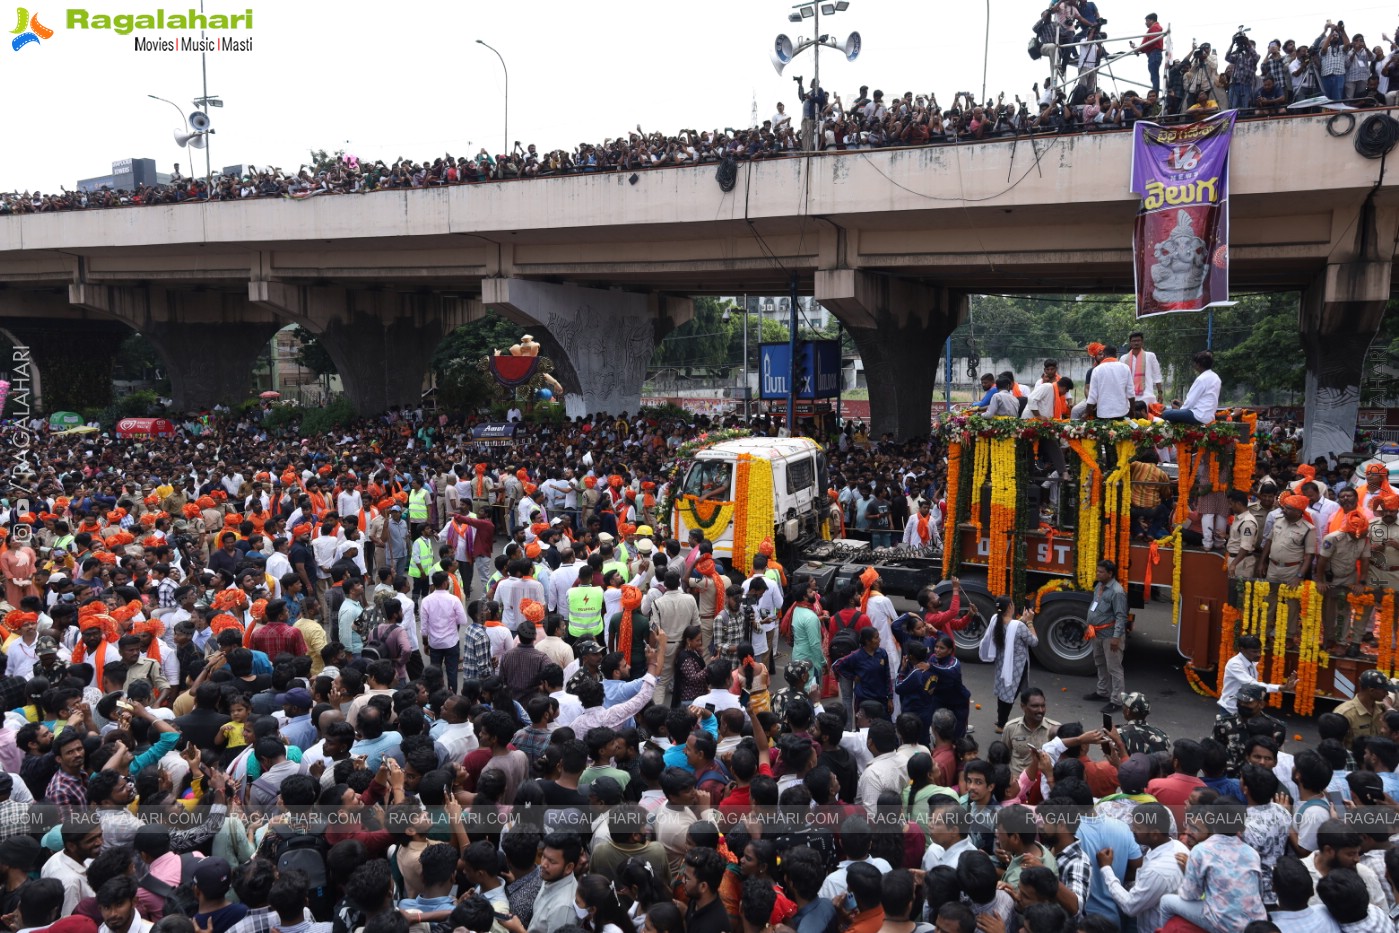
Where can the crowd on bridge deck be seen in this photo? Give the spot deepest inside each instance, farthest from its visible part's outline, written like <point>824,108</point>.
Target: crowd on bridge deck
<point>1255,80</point>
<point>381,682</point>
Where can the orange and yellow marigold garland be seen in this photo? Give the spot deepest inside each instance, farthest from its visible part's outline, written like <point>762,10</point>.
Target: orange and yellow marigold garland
<point>753,505</point>
<point>1090,524</point>
<point>1053,586</point>
<point>1384,634</point>
<point>1187,463</point>
<point>954,490</point>
<point>1002,514</point>
<point>1228,625</point>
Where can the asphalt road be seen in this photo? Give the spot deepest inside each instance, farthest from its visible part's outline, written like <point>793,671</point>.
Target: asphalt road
<point>1153,666</point>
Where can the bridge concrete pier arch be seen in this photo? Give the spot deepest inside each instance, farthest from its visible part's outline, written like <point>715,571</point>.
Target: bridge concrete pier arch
<point>600,340</point>
<point>382,341</point>
<point>900,327</point>
<point>209,340</point>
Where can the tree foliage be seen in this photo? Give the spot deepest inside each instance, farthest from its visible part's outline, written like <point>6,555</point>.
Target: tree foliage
<point>1257,345</point>
<point>310,354</point>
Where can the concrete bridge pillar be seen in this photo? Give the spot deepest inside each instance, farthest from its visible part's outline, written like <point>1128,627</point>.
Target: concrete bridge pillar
<point>1340,315</point>
<point>900,328</point>
<point>599,340</point>
<point>65,374</point>
<point>209,340</point>
<point>381,341</point>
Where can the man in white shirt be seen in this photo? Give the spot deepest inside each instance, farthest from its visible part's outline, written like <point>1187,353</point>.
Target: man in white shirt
<point>886,771</point>
<point>1146,371</point>
<point>561,580</point>
<point>1159,874</point>
<point>278,566</point>
<point>1110,391</point>
<point>349,502</point>
<point>1242,669</point>
<point>1202,400</point>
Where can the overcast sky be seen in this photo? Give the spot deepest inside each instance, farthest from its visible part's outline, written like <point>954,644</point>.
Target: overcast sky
<point>406,78</point>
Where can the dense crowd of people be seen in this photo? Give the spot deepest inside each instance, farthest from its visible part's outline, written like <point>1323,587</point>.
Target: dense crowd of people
<point>1256,80</point>
<point>382,681</point>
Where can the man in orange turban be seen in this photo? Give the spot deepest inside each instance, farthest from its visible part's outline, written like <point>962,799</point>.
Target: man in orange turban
<point>1290,550</point>
<point>1343,570</point>
<point>1349,501</point>
<point>1376,484</point>
<point>1384,543</point>
<point>97,638</point>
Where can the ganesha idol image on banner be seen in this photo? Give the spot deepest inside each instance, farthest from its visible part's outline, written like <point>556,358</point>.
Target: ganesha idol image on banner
<point>1176,264</point>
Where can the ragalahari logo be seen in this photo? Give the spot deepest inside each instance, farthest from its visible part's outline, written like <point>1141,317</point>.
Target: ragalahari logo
<point>28,29</point>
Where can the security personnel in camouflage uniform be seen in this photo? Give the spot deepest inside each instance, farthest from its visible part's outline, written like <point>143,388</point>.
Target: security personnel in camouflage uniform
<point>1233,732</point>
<point>1137,736</point>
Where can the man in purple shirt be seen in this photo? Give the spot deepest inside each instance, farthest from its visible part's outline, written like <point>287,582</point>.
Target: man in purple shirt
<point>443,618</point>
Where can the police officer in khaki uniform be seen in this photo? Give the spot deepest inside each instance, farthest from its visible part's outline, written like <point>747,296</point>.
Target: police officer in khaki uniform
<point>1384,544</point>
<point>1266,501</point>
<point>1364,711</point>
<point>1244,538</point>
<point>1288,553</point>
<point>1343,569</point>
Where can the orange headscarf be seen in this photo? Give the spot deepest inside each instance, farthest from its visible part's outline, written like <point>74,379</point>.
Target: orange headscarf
<point>15,620</point>
<point>706,568</point>
<point>1301,503</point>
<point>222,622</point>
<point>1356,523</point>
<point>631,601</point>
<point>533,611</point>
<point>1390,502</point>
<point>157,629</point>
<point>258,611</point>
<point>93,615</point>
<point>868,578</point>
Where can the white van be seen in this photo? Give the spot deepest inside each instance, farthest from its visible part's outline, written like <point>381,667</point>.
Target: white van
<point>798,481</point>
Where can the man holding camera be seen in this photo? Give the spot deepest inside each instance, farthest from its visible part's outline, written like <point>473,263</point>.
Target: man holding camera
<point>1243,60</point>
<point>1202,74</point>
<point>813,105</point>
<point>1331,51</point>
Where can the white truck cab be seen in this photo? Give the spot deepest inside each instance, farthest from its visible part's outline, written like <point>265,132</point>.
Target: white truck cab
<point>798,481</point>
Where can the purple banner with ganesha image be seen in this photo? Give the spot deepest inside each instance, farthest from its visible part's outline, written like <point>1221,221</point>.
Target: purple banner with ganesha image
<point>1181,241</point>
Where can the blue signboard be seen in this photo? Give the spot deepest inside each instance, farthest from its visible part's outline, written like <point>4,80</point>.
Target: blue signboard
<point>818,369</point>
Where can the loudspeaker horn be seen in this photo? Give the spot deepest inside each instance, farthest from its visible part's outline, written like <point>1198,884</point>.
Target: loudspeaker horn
<point>851,47</point>
<point>196,140</point>
<point>781,53</point>
<point>199,121</point>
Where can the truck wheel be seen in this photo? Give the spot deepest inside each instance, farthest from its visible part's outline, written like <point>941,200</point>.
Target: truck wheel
<point>969,638</point>
<point>1063,649</point>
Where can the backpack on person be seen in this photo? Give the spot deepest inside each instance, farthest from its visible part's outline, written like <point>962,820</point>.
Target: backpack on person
<point>844,641</point>
<point>303,852</point>
<point>384,642</point>
<point>370,619</point>
<point>177,899</point>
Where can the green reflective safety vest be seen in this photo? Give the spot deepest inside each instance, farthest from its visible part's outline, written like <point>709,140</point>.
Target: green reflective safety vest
<point>585,605</point>
<point>417,505</point>
<point>618,566</point>
<point>421,558</point>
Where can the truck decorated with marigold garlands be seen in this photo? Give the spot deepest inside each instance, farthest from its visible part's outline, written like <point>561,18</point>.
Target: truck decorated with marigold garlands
<point>740,491</point>
<point>1012,529</point>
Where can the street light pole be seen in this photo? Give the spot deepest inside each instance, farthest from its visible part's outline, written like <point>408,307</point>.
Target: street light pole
<point>746,414</point>
<point>185,121</point>
<point>506,142</point>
